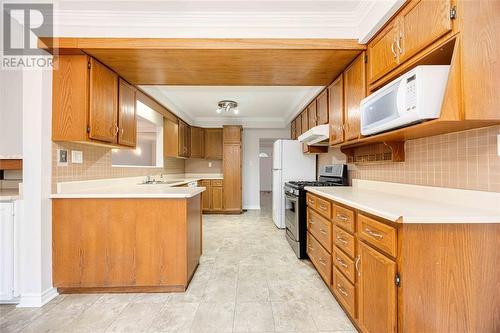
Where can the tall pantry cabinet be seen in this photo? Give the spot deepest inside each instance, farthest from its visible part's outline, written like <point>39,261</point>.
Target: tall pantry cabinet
<point>231,165</point>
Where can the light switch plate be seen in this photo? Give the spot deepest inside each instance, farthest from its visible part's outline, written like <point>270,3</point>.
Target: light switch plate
<point>62,157</point>
<point>76,157</point>
<point>209,164</point>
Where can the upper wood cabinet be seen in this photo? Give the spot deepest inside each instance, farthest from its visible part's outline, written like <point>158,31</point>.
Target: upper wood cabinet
<point>420,23</point>
<point>85,103</point>
<point>382,54</point>
<point>304,116</point>
<point>213,143</point>
<point>170,137</point>
<point>354,92</point>
<point>322,108</point>
<point>336,110</point>
<point>377,303</point>
<point>184,139</point>
<point>127,122</point>
<point>293,134</point>
<point>232,134</point>
<point>311,114</point>
<point>197,142</point>
<point>298,126</point>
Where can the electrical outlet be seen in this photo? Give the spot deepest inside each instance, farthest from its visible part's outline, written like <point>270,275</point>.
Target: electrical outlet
<point>209,164</point>
<point>76,157</point>
<point>62,157</point>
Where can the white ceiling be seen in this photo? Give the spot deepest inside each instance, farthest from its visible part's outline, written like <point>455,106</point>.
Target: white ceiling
<point>259,107</point>
<point>222,18</point>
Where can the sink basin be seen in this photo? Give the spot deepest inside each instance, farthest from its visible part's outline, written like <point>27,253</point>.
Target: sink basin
<point>161,182</point>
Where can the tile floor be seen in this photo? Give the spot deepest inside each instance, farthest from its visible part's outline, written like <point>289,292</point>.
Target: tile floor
<point>249,280</point>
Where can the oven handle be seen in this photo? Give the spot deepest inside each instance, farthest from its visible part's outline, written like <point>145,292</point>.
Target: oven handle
<point>291,198</point>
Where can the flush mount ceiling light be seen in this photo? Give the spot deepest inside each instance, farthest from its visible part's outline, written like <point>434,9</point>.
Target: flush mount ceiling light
<point>228,106</point>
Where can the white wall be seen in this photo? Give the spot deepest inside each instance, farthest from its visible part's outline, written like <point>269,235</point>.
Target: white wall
<point>251,164</point>
<point>266,169</point>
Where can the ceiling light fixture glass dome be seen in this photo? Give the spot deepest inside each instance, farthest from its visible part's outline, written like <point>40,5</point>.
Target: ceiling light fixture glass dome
<point>227,106</point>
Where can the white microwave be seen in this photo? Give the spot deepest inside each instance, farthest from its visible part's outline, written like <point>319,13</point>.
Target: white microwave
<point>413,97</point>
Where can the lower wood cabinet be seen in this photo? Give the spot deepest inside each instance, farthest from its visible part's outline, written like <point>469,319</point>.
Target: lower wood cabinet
<point>212,198</point>
<point>391,276</point>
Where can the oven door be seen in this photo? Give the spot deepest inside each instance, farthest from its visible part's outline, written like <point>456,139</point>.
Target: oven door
<point>292,216</point>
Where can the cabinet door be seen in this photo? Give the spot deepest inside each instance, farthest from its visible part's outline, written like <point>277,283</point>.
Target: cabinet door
<point>232,177</point>
<point>382,53</point>
<point>421,23</point>
<point>126,115</point>
<point>305,120</point>
<point>298,126</point>
<point>213,143</point>
<point>336,110</point>
<point>322,108</point>
<point>311,114</point>
<point>217,198</point>
<point>197,142</point>
<point>376,291</point>
<point>206,196</point>
<point>354,92</point>
<point>103,106</point>
<point>170,137</point>
<point>184,139</point>
<point>293,134</point>
<point>231,134</point>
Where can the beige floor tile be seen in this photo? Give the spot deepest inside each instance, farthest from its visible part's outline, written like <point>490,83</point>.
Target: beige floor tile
<point>220,290</point>
<point>214,317</point>
<point>292,316</point>
<point>97,318</point>
<point>55,320</point>
<point>136,317</point>
<point>152,298</point>
<point>253,317</point>
<point>175,317</point>
<point>252,290</point>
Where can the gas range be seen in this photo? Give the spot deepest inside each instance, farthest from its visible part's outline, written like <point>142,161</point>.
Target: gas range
<point>295,204</point>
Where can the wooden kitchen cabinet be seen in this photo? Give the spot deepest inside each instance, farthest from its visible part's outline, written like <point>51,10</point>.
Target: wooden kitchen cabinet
<point>293,133</point>
<point>421,23</point>
<point>170,137</point>
<point>86,101</point>
<point>184,139</point>
<point>197,142</point>
<point>382,53</point>
<point>298,126</point>
<point>376,291</point>
<point>322,108</point>
<point>213,143</point>
<point>354,92</point>
<point>304,116</point>
<point>206,196</point>
<point>217,199</point>
<point>231,134</point>
<point>336,110</point>
<point>231,165</point>
<point>311,114</point>
<point>127,122</point>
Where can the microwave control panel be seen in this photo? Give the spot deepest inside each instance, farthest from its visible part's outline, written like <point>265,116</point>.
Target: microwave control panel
<point>411,93</point>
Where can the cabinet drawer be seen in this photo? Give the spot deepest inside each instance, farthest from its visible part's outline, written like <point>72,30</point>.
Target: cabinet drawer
<point>344,241</point>
<point>205,183</point>
<point>216,182</point>
<point>344,264</point>
<point>311,200</point>
<point>378,234</point>
<point>324,207</point>
<point>344,290</point>
<point>321,228</point>
<point>344,218</point>
<point>321,259</point>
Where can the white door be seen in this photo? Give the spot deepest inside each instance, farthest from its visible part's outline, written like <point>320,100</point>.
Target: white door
<point>6,251</point>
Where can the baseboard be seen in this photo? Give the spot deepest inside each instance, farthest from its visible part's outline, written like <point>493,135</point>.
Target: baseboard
<point>252,207</point>
<point>35,300</point>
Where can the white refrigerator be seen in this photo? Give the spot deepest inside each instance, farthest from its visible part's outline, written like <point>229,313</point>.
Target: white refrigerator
<point>289,163</point>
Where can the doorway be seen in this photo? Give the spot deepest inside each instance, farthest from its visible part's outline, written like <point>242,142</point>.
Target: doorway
<point>266,173</point>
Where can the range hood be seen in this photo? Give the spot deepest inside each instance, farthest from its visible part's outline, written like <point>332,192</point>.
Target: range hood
<point>316,136</point>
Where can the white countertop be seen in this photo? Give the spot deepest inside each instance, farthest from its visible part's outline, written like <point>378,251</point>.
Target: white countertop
<point>130,187</point>
<point>9,194</point>
<point>404,203</point>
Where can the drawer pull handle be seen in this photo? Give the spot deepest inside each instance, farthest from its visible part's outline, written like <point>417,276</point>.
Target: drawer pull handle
<point>342,290</point>
<point>322,262</point>
<point>342,217</point>
<point>341,262</point>
<point>322,231</point>
<point>323,207</point>
<point>311,221</point>
<point>373,233</point>
<point>311,248</point>
<point>358,259</point>
<point>343,241</point>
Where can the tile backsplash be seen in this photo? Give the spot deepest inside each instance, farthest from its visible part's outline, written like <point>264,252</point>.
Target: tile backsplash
<point>97,165</point>
<point>465,160</point>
